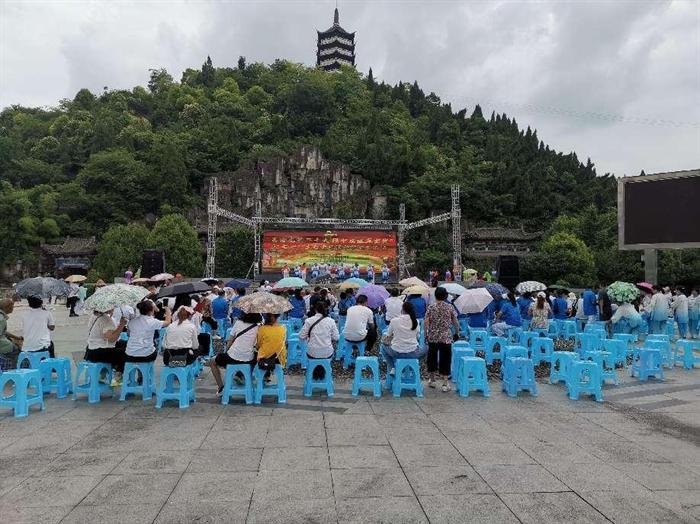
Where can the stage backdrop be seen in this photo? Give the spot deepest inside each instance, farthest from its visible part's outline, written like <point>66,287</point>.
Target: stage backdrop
<point>332,247</point>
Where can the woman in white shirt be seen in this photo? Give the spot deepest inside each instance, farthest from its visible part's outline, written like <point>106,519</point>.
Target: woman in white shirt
<point>320,332</point>
<point>37,326</point>
<point>240,347</point>
<point>693,312</point>
<point>181,338</point>
<point>404,332</point>
<point>101,343</point>
<point>141,329</point>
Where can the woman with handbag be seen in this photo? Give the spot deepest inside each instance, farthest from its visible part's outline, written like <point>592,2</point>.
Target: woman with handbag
<point>240,348</point>
<point>320,332</point>
<point>142,330</point>
<point>180,340</point>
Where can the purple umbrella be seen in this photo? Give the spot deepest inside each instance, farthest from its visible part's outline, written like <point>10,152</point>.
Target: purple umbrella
<point>376,295</point>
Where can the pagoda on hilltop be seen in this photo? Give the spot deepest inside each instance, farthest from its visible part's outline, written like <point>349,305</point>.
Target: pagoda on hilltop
<point>335,46</point>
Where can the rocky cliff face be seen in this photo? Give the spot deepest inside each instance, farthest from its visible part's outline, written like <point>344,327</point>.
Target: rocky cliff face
<point>301,185</point>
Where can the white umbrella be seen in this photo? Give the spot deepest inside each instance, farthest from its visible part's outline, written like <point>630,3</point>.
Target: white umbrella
<point>453,288</point>
<point>412,281</point>
<point>473,300</point>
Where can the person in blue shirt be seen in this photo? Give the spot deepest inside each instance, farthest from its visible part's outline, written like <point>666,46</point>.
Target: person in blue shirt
<point>298,305</point>
<point>219,308</point>
<point>477,320</point>
<point>560,307</point>
<point>235,312</point>
<point>524,302</point>
<point>590,305</point>
<point>419,305</point>
<point>507,316</point>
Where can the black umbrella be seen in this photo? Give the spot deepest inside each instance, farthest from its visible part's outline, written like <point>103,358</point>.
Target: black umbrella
<point>183,288</point>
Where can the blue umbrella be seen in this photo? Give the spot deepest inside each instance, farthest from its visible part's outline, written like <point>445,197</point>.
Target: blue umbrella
<point>238,282</point>
<point>291,283</point>
<point>354,280</point>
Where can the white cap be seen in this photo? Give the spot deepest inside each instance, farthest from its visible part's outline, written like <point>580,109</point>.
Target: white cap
<point>504,295</point>
<point>541,294</point>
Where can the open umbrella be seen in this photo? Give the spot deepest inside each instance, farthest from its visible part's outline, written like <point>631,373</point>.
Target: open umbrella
<point>473,300</point>
<point>183,288</point>
<point>557,287</point>
<point>238,283</point>
<point>496,290</point>
<point>290,283</point>
<point>622,292</point>
<point>530,286</point>
<point>161,277</point>
<point>139,280</point>
<point>376,295</point>
<point>354,280</point>
<point>412,281</point>
<point>645,286</point>
<point>74,279</point>
<point>114,295</point>
<point>348,285</point>
<point>263,302</point>
<point>210,280</point>
<point>453,288</point>
<point>41,287</point>
<point>416,290</point>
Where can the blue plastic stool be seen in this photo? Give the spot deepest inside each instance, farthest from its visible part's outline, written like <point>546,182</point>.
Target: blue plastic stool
<point>561,365</point>
<point>31,359</point>
<point>277,389</point>
<point>231,388</point>
<point>684,353</point>
<point>359,382</point>
<point>296,324</point>
<point>671,329</point>
<point>630,341</point>
<point>457,354</point>
<point>527,337</point>
<point>664,346</point>
<point>62,384</point>
<point>410,381</point>
<point>183,393</point>
<point>294,350</point>
<point>341,344</point>
<point>123,336</point>
<point>489,349</point>
<point>584,377</point>
<point>588,342</point>
<point>161,338</point>
<point>514,335</point>
<point>542,349</point>
<point>472,377</point>
<point>478,338</point>
<point>519,375</point>
<point>348,356</point>
<point>341,322</point>
<point>618,349</point>
<point>325,383</point>
<point>553,330</point>
<point>87,380</point>
<point>130,384</point>
<point>567,330</point>
<point>646,362</point>
<point>515,352</point>
<point>22,398</point>
<point>606,365</point>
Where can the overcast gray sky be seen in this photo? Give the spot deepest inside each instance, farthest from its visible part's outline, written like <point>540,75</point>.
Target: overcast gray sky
<point>617,81</point>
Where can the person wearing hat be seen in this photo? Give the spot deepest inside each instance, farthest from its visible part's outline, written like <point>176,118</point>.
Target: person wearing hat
<point>37,325</point>
<point>539,312</point>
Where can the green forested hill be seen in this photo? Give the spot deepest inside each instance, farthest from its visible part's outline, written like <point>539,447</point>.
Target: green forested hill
<point>124,156</point>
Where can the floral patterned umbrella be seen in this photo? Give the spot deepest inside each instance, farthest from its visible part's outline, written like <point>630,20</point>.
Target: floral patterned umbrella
<point>530,286</point>
<point>108,297</point>
<point>496,290</point>
<point>622,292</point>
<point>263,302</point>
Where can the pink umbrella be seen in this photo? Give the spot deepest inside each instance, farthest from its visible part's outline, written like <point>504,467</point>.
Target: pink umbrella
<point>645,286</point>
<point>161,277</point>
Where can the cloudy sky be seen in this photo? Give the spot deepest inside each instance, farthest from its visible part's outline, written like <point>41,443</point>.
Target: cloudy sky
<point>617,81</point>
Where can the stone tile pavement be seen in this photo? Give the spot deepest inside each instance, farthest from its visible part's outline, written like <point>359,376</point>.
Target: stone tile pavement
<point>633,458</point>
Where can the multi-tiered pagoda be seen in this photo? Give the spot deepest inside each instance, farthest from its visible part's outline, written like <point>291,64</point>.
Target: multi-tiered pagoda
<point>335,46</point>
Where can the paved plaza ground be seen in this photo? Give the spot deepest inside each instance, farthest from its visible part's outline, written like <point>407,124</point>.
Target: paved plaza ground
<point>633,458</point>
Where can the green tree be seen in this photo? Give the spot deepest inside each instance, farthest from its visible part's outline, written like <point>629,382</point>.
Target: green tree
<point>121,246</point>
<point>563,258</point>
<point>234,252</point>
<point>174,235</point>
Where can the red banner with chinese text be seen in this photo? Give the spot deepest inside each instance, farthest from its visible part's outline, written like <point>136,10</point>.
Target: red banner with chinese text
<point>293,248</point>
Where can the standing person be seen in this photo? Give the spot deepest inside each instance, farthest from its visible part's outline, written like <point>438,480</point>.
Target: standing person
<point>10,345</point>
<point>181,338</point>
<point>524,302</point>
<point>285,271</point>
<point>403,332</point>
<point>370,273</point>
<point>559,306</point>
<point>385,273</point>
<point>448,275</point>
<point>439,320</point>
<point>128,275</point>
<point>419,305</point>
<point>37,325</point>
<point>142,330</point>
<point>82,295</point>
<point>679,307</point>
<point>240,348</point>
<point>694,312</point>
<point>658,312</point>
<point>320,333</point>
<point>590,305</point>
<point>359,324</point>
<point>102,345</point>
<point>540,312</point>
<point>605,308</point>
<point>392,305</point>
<point>72,300</point>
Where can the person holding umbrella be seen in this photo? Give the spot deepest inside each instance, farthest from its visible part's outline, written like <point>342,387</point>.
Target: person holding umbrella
<point>37,325</point>
<point>102,338</point>
<point>439,319</point>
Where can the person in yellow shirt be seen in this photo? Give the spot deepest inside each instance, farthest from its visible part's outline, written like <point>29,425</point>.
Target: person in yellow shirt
<point>271,340</point>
